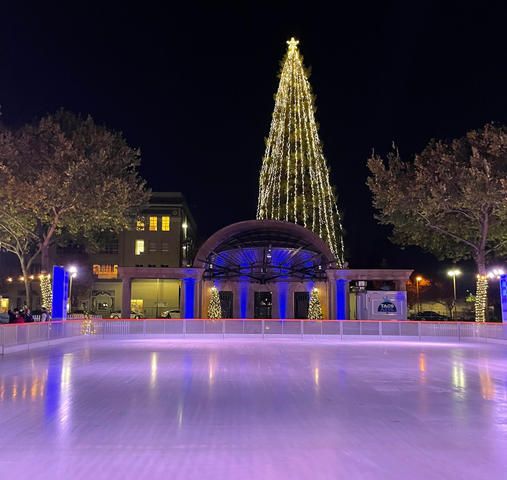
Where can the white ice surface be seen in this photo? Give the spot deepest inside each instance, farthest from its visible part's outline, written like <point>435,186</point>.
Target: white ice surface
<point>253,409</point>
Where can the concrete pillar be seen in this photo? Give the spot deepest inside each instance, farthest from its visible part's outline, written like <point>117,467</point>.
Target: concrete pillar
<point>342,299</point>
<point>189,299</point>
<point>126,296</point>
<point>282,293</point>
<point>331,300</point>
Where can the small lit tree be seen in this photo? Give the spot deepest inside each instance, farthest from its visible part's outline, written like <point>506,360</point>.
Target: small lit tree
<point>314,308</point>
<point>214,306</point>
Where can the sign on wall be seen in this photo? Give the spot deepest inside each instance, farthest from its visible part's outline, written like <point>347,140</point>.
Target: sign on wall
<point>385,305</point>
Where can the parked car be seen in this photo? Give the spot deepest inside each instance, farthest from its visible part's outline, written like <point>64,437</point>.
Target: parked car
<point>429,315</point>
<point>174,313</point>
<point>135,315</point>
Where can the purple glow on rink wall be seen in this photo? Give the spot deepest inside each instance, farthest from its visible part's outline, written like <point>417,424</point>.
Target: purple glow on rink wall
<point>60,293</point>
<point>189,297</point>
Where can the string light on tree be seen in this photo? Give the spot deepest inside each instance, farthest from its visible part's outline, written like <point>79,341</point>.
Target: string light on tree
<point>87,326</point>
<point>314,307</point>
<point>46,291</point>
<point>214,307</point>
<point>294,181</point>
<point>481,298</point>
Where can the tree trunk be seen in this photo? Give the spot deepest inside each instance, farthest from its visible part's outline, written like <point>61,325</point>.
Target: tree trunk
<point>26,280</point>
<point>481,294</point>
<point>45,267</point>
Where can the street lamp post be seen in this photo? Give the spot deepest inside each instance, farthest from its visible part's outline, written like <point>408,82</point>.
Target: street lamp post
<point>73,273</point>
<point>417,280</point>
<point>454,273</point>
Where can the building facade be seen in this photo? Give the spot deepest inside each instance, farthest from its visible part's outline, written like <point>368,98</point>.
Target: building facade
<point>163,237</point>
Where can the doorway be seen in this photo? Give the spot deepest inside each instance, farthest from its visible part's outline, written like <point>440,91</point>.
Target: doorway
<point>226,304</point>
<point>263,304</point>
<point>301,304</point>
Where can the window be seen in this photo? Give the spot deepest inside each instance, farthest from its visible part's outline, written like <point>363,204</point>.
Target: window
<point>165,246</point>
<point>105,271</point>
<point>166,224</point>
<point>153,247</point>
<point>140,225</point>
<point>153,224</point>
<point>139,247</point>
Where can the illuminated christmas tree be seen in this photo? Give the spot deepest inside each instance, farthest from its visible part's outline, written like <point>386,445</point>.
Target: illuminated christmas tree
<point>46,292</point>
<point>294,180</point>
<point>214,307</point>
<point>314,308</point>
<point>87,326</point>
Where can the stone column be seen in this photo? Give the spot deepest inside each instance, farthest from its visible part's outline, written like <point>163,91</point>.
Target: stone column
<point>331,299</point>
<point>188,295</point>
<point>126,295</point>
<point>342,299</point>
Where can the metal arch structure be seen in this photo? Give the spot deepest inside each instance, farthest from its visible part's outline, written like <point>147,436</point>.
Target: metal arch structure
<point>264,251</point>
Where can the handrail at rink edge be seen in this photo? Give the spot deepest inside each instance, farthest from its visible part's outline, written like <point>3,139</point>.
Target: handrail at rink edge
<point>20,334</point>
<point>298,320</point>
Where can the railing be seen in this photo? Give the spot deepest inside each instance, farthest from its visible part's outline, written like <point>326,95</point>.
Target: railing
<point>70,316</point>
<point>31,333</point>
<point>18,334</point>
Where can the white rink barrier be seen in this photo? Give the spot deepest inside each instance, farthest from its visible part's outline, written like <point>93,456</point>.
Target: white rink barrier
<point>70,316</point>
<point>14,335</point>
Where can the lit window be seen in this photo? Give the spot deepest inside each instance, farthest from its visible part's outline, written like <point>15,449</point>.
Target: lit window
<point>153,224</point>
<point>139,247</point>
<point>140,225</point>
<point>166,224</point>
<point>105,271</point>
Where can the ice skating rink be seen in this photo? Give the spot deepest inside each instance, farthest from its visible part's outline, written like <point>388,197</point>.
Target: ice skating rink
<point>253,409</point>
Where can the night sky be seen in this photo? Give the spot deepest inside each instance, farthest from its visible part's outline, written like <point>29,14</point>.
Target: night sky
<point>193,88</point>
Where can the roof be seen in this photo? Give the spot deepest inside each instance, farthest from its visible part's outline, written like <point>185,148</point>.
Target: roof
<point>264,250</point>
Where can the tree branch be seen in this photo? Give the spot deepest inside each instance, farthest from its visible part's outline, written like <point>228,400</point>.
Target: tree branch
<point>446,232</point>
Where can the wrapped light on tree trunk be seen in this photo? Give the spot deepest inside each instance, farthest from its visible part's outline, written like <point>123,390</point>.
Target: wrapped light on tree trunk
<point>214,306</point>
<point>294,182</point>
<point>481,298</point>
<point>314,308</point>
<point>87,326</point>
<point>46,291</point>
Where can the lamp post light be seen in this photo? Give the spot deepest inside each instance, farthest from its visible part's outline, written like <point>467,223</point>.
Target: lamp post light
<point>495,273</point>
<point>454,272</point>
<point>417,280</point>
<point>73,274</point>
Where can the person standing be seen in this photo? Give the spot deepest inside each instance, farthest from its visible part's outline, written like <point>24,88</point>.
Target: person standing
<point>44,316</point>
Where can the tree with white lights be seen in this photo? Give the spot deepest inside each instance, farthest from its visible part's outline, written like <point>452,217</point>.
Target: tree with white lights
<point>294,181</point>
<point>314,307</point>
<point>64,175</point>
<point>450,200</point>
<point>214,306</point>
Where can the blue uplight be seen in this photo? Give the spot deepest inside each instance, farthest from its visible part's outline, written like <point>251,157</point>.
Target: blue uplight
<point>189,297</point>
<point>282,299</point>
<point>60,293</point>
<point>341,299</point>
<point>243,298</point>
